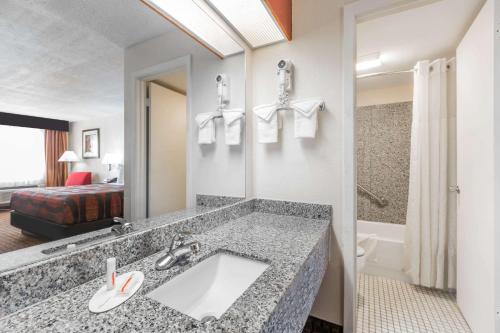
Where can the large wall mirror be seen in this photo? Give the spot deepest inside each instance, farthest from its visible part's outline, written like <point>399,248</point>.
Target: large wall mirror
<point>122,116</point>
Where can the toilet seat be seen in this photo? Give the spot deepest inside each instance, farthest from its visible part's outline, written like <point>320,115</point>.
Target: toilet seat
<point>360,251</point>
<point>360,258</point>
<point>366,244</point>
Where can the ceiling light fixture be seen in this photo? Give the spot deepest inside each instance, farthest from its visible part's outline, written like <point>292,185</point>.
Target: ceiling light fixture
<point>368,62</point>
<point>201,22</point>
<point>254,19</point>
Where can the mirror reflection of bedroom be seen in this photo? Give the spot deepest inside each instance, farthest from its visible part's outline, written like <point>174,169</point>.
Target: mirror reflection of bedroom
<point>99,125</point>
<point>61,126</point>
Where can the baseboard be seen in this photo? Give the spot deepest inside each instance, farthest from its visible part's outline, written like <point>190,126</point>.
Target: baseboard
<point>316,325</point>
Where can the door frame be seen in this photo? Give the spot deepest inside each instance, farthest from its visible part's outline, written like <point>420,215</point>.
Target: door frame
<point>136,186</point>
<point>353,14</point>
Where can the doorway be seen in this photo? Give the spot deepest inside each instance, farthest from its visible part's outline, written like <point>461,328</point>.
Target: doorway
<point>388,293</point>
<point>166,131</point>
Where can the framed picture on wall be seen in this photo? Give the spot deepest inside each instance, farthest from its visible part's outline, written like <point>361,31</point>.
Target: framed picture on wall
<point>90,143</point>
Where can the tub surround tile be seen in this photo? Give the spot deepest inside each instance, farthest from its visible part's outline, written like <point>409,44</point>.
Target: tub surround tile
<point>279,301</point>
<point>383,156</point>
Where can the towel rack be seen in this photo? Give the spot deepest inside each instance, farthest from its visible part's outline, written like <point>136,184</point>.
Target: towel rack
<point>380,201</point>
<point>285,106</point>
<point>219,114</point>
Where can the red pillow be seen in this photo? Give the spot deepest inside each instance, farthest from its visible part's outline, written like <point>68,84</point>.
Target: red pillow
<point>79,178</point>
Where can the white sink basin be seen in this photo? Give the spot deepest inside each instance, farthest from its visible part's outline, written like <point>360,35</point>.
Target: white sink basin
<point>209,288</point>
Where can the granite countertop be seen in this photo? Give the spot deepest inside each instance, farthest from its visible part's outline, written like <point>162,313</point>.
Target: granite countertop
<point>286,242</point>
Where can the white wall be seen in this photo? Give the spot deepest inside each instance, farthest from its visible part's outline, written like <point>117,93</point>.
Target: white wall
<point>307,170</point>
<point>216,169</point>
<point>476,173</point>
<point>111,140</point>
<point>385,95</point>
<point>167,168</point>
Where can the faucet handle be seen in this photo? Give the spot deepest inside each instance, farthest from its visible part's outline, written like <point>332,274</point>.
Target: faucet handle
<point>178,239</point>
<point>127,227</point>
<point>121,226</point>
<point>182,236</point>
<point>119,220</point>
<point>195,247</point>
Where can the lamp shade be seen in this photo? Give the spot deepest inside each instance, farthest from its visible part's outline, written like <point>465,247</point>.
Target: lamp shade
<point>69,156</point>
<point>110,158</point>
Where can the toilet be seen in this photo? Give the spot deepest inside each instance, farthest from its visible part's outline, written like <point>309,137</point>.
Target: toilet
<point>360,258</point>
<point>366,244</point>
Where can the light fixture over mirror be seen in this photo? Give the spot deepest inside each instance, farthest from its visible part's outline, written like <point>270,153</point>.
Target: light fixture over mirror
<point>258,22</point>
<point>201,22</point>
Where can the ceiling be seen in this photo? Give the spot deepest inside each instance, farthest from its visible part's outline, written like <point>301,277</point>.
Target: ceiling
<point>426,32</point>
<point>176,81</point>
<point>64,58</point>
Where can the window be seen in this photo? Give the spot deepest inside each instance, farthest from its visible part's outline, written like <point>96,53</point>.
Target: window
<point>22,156</point>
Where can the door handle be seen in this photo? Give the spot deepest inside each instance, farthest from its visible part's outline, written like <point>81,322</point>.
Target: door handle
<point>454,189</point>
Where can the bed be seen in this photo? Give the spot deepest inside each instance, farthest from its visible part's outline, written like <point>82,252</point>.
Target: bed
<point>58,212</point>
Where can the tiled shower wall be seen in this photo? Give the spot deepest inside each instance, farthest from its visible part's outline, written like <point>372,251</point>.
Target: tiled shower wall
<point>383,138</point>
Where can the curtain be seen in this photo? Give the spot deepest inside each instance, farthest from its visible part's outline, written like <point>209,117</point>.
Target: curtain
<point>428,238</point>
<point>56,143</point>
<point>22,162</point>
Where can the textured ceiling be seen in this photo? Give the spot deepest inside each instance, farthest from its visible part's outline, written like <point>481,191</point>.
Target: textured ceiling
<point>64,58</point>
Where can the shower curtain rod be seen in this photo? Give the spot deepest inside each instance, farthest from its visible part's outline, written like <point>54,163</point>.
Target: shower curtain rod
<point>396,72</point>
<point>383,73</point>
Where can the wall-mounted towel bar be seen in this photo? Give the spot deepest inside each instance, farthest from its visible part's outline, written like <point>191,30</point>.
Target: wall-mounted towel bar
<point>381,201</point>
<point>287,107</point>
<point>219,115</point>
<point>305,110</point>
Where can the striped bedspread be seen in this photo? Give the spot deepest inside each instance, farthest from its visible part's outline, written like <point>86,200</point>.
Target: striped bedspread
<point>72,204</point>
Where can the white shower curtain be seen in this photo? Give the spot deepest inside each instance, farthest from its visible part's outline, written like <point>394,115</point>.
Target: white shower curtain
<point>427,225</point>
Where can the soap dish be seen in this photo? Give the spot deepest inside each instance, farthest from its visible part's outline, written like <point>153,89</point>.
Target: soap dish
<point>105,300</point>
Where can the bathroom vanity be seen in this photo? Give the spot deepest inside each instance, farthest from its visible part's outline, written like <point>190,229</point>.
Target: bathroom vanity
<point>288,241</point>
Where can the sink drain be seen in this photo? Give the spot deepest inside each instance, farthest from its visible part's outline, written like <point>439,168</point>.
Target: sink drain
<point>208,319</point>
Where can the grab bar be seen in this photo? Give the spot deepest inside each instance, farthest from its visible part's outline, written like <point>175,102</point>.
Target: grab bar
<point>381,201</point>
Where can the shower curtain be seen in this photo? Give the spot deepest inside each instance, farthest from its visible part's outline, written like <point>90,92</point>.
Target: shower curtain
<point>428,239</point>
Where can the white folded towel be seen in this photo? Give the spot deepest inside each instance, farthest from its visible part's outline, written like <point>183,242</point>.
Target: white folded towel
<point>206,127</point>
<point>232,126</point>
<point>267,123</point>
<point>306,117</point>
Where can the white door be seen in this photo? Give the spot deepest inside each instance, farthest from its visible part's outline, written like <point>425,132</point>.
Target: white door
<point>475,174</point>
<point>167,151</point>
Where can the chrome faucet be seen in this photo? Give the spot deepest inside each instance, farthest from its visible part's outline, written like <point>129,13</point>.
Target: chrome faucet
<point>178,252</point>
<point>123,227</point>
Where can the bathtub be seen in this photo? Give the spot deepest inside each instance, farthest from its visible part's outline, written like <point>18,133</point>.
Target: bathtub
<point>387,257</point>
